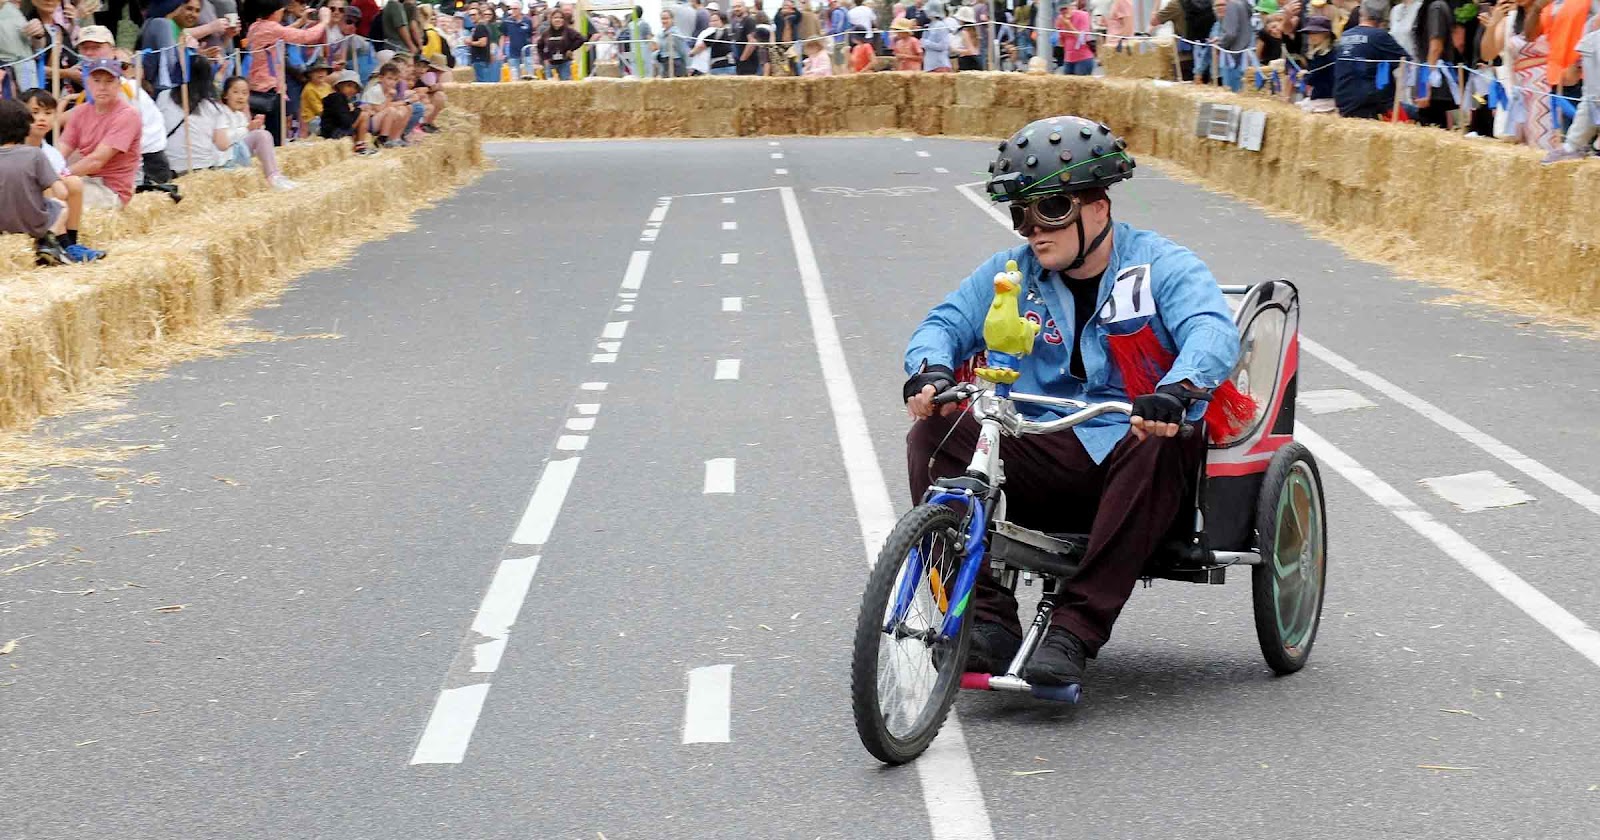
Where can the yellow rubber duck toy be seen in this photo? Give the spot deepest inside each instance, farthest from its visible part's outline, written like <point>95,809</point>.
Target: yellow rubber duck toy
<point>1004,328</point>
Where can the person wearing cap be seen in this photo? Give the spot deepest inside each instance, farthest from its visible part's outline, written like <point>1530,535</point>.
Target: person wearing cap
<point>96,42</point>
<point>101,139</point>
<point>1125,315</point>
<point>343,115</point>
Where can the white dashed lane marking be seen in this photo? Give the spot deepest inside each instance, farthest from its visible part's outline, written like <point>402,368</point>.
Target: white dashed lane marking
<point>1477,491</point>
<point>780,172</point>
<point>727,369</point>
<point>730,259</point>
<point>707,705</point>
<point>1335,399</point>
<point>719,476</point>
<point>733,304</point>
<point>730,225</point>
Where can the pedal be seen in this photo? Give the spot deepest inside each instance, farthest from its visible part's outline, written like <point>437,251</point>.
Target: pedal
<point>1059,693</point>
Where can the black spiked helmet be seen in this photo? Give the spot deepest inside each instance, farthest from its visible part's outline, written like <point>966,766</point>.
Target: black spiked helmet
<point>1058,155</point>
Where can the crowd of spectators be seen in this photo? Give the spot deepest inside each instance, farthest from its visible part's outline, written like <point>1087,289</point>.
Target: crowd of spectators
<point>1514,70</point>
<point>197,85</point>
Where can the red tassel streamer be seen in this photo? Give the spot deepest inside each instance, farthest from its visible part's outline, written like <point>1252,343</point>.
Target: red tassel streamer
<point>1143,361</point>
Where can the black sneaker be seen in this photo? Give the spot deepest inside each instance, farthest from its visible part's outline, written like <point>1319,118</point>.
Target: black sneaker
<point>47,250</point>
<point>993,646</point>
<point>1060,659</point>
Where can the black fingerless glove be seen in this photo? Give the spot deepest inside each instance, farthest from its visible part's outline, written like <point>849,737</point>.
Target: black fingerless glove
<point>1169,404</point>
<point>939,376</point>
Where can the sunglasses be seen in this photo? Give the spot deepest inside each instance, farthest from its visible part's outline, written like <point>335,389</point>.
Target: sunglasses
<point>1053,212</point>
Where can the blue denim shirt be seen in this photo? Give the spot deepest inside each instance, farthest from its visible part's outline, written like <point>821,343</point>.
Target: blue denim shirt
<point>1150,280</point>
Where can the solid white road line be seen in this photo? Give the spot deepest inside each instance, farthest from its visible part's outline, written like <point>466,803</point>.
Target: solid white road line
<point>730,259</point>
<point>634,276</point>
<point>950,791</point>
<point>719,476</point>
<point>706,708</point>
<point>727,369</point>
<point>615,329</point>
<point>449,729</point>
<point>1566,626</point>
<point>733,304</point>
<point>545,505</point>
<point>985,205</point>
<point>1582,496</point>
<point>1331,400</point>
<point>730,225</point>
<point>1476,491</point>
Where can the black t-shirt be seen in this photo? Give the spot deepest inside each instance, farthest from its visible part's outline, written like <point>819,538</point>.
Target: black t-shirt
<point>1273,46</point>
<point>339,115</point>
<point>744,32</point>
<point>481,54</point>
<point>721,51</point>
<point>1084,292</point>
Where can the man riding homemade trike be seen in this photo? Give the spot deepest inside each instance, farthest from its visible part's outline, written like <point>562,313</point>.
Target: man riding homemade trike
<point>1143,439</point>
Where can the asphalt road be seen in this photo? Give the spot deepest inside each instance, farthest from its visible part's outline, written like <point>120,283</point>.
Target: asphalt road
<point>388,632</point>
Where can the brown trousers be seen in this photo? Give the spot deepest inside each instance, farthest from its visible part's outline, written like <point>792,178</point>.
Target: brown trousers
<point>1125,504</point>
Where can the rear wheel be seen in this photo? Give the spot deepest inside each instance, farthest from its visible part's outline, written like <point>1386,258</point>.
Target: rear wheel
<point>1292,535</point>
<point>903,678</point>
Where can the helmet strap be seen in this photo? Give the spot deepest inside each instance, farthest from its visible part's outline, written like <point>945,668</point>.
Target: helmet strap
<point>1085,250</point>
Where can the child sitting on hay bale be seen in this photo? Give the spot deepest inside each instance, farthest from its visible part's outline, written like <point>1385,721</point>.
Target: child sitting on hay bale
<point>343,115</point>
<point>246,134</point>
<point>33,197</point>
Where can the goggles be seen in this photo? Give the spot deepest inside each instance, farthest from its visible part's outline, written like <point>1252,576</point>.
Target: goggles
<point>1052,212</point>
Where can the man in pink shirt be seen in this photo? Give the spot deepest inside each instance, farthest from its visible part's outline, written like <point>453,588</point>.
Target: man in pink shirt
<point>101,140</point>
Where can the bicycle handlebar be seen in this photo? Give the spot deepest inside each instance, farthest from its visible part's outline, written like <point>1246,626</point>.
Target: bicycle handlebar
<point>1081,411</point>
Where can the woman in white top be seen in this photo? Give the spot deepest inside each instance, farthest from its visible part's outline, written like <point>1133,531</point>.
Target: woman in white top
<point>194,144</point>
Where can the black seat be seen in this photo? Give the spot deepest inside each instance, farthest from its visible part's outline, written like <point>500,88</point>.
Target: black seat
<point>1056,555</point>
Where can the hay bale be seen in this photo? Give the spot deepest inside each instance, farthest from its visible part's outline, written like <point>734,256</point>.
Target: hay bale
<point>64,329</point>
<point>977,90</point>
<point>1139,61</point>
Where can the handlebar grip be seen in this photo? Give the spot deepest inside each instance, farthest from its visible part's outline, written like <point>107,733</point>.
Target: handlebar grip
<point>950,396</point>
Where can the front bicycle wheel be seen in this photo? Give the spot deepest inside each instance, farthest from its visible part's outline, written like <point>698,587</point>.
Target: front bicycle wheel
<point>903,677</point>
